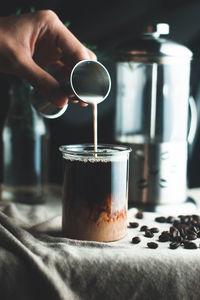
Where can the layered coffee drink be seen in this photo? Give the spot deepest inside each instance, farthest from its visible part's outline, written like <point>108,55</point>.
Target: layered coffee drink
<point>95,192</point>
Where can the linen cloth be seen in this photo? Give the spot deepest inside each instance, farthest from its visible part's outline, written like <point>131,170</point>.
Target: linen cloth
<point>37,262</point>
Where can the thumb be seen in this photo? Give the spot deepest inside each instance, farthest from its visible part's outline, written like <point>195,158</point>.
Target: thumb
<point>45,84</point>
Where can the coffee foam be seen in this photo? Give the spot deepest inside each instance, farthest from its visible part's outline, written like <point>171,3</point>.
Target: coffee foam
<point>94,159</point>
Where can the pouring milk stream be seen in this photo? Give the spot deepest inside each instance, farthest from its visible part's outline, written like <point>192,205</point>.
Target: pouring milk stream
<point>90,82</point>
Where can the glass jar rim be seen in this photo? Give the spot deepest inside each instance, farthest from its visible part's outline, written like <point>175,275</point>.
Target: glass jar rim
<point>103,150</point>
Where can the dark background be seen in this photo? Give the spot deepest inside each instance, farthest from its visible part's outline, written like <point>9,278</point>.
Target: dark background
<point>105,24</point>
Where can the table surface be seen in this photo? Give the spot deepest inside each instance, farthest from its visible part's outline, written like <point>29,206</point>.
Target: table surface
<point>39,263</point>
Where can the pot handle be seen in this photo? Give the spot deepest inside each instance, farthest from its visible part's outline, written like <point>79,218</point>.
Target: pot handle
<point>193,121</point>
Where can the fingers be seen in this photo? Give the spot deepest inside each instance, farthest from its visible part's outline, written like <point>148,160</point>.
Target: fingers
<point>52,29</point>
<point>91,54</point>
<point>43,82</point>
<point>37,37</point>
<point>73,50</point>
<point>83,104</point>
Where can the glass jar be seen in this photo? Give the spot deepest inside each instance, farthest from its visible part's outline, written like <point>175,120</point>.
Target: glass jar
<point>95,192</point>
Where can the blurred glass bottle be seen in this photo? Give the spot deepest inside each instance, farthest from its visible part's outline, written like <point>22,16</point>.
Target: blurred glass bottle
<point>25,149</point>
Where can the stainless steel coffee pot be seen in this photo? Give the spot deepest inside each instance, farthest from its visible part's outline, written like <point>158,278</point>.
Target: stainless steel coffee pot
<point>152,100</point>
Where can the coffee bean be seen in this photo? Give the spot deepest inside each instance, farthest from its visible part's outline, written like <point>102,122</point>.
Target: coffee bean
<point>194,229</point>
<point>143,228</point>
<point>176,223</point>
<point>189,245</point>
<point>164,237</point>
<point>133,224</point>
<point>196,217</point>
<point>165,232</point>
<point>190,231</point>
<point>154,229</point>
<point>174,233</point>
<point>152,245</point>
<point>194,222</point>
<point>173,230</point>
<point>177,239</point>
<point>136,240</point>
<point>149,234</point>
<point>182,231</point>
<point>185,219</point>
<point>185,241</point>
<point>174,245</point>
<point>139,214</point>
<point>192,236</point>
<point>160,219</point>
<point>170,219</point>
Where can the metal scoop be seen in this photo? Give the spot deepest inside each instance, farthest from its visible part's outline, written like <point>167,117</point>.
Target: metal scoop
<point>89,82</point>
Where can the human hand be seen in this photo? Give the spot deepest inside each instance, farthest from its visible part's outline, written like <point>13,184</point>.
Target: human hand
<point>31,42</point>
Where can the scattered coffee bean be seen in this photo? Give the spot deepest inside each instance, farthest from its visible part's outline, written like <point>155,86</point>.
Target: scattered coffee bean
<point>136,240</point>
<point>190,231</point>
<point>164,237</point>
<point>196,217</point>
<point>189,245</point>
<point>185,226</point>
<point>194,222</point>
<point>165,232</point>
<point>139,214</point>
<point>192,236</point>
<point>194,229</point>
<point>170,219</point>
<point>185,219</point>
<point>176,223</point>
<point>174,234</point>
<point>152,245</point>
<point>173,230</point>
<point>160,219</point>
<point>133,224</point>
<point>174,245</point>
<point>184,229</point>
<point>143,228</point>
<point>149,234</point>
<point>154,229</point>
<point>177,239</point>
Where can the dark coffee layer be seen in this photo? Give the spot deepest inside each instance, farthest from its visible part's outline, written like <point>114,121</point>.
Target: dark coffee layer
<point>95,195</point>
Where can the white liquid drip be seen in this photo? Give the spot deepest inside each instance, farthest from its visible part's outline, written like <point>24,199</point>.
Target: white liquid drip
<point>93,100</point>
<point>94,109</point>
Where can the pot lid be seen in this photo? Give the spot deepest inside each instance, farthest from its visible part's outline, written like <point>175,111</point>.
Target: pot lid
<point>151,47</point>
